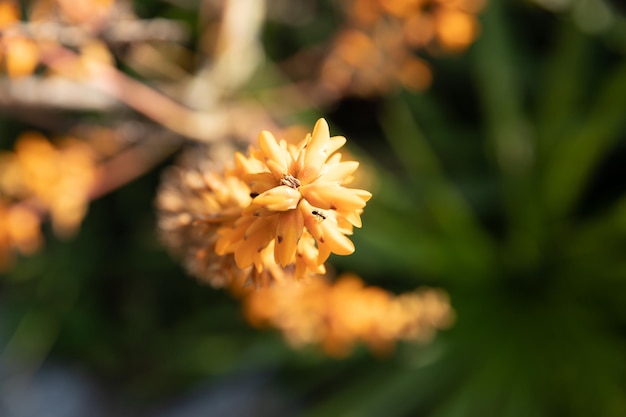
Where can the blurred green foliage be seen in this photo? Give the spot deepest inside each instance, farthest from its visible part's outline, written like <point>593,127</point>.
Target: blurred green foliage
<point>502,184</point>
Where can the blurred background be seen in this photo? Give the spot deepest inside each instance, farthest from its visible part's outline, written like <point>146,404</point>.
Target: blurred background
<point>492,134</point>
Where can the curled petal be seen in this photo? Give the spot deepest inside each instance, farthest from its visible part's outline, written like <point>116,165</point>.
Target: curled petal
<point>323,253</point>
<point>279,198</point>
<point>276,169</point>
<point>260,182</point>
<point>288,233</point>
<point>340,172</point>
<point>255,239</point>
<point>336,241</point>
<point>307,257</point>
<point>326,232</point>
<point>316,152</point>
<point>298,165</point>
<point>365,195</point>
<point>247,165</point>
<point>273,152</point>
<point>336,142</point>
<point>353,217</point>
<point>328,195</point>
<point>231,236</point>
<point>256,211</point>
<point>311,222</point>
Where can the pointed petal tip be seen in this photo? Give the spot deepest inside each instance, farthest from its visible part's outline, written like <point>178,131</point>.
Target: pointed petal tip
<point>321,128</point>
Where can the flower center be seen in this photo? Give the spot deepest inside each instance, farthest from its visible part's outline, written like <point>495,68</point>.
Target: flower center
<point>290,181</point>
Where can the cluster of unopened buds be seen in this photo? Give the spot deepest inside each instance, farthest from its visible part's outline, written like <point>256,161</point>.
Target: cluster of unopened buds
<point>265,226</point>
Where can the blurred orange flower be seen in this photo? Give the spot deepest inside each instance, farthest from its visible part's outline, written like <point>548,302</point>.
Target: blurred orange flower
<point>58,179</point>
<point>451,24</point>
<point>21,55</point>
<point>369,63</point>
<point>9,13</point>
<point>339,315</point>
<point>90,14</point>
<point>376,50</point>
<point>19,231</point>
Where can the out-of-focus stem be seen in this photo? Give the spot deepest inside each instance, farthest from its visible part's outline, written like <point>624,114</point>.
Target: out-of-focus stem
<point>202,126</point>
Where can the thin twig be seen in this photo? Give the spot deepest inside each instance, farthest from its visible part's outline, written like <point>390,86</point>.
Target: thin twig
<point>202,126</point>
<point>53,92</point>
<point>121,31</point>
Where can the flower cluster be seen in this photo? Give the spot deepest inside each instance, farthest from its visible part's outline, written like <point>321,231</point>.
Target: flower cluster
<point>20,53</point>
<point>338,315</point>
<point>39,179</point>
<point>19,232</point>
<point>376,49</point>
<point>277,214</point>
<point>50,23</point>
<point>300,204</point>
<point>450,25</point>
<point>272,219</point>
<point>195,199</point>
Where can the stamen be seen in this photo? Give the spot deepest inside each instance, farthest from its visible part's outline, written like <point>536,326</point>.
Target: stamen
<point>290,181</point>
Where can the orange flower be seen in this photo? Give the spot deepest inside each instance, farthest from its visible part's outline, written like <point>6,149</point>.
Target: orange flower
<point>58,179</point>
<point>19,231</point>
<point>299,203</point>
<point>339,315</point>
<point>197,198</point>
<point>9,13</point>
<point>375,51</point>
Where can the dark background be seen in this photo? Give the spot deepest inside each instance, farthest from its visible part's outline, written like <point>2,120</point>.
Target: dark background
<point>502,184</point>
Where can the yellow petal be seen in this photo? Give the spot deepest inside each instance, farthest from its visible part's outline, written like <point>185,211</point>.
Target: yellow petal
<point>288,233</point>
<point>260,182</point>
<point>336,241</point>
<point>323,253</point>
<point>231,236</point>
<point>336,142</point>
<point>326,232</point>
<point>365,195</point>
<point>307,256</point>
<point>340,172</point>
<point>247,165</point>
<point>273,152</point>
<point>279,198</point>
<point>328,195</point>
<point>276,169</point>
<point>353,218</point>
<point>256,211</point>
<point>257,236</point>
<point>317,151</point>
<point>311,222</point>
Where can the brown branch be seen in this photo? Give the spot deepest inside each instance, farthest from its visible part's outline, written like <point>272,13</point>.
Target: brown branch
<point>132,163</point>
<point>122,31</point>
<point>202,126</point>
<point>53,92</point>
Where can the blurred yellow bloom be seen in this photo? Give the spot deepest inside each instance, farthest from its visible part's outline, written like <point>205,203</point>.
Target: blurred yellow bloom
<point>339,315</point>
<point>85,11</point>
<point>21,55</point>
<point>58,179</point>
<point>9,13</point>
<point>375,51</point>
<point>299,203</point>
<point>19,231</point>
